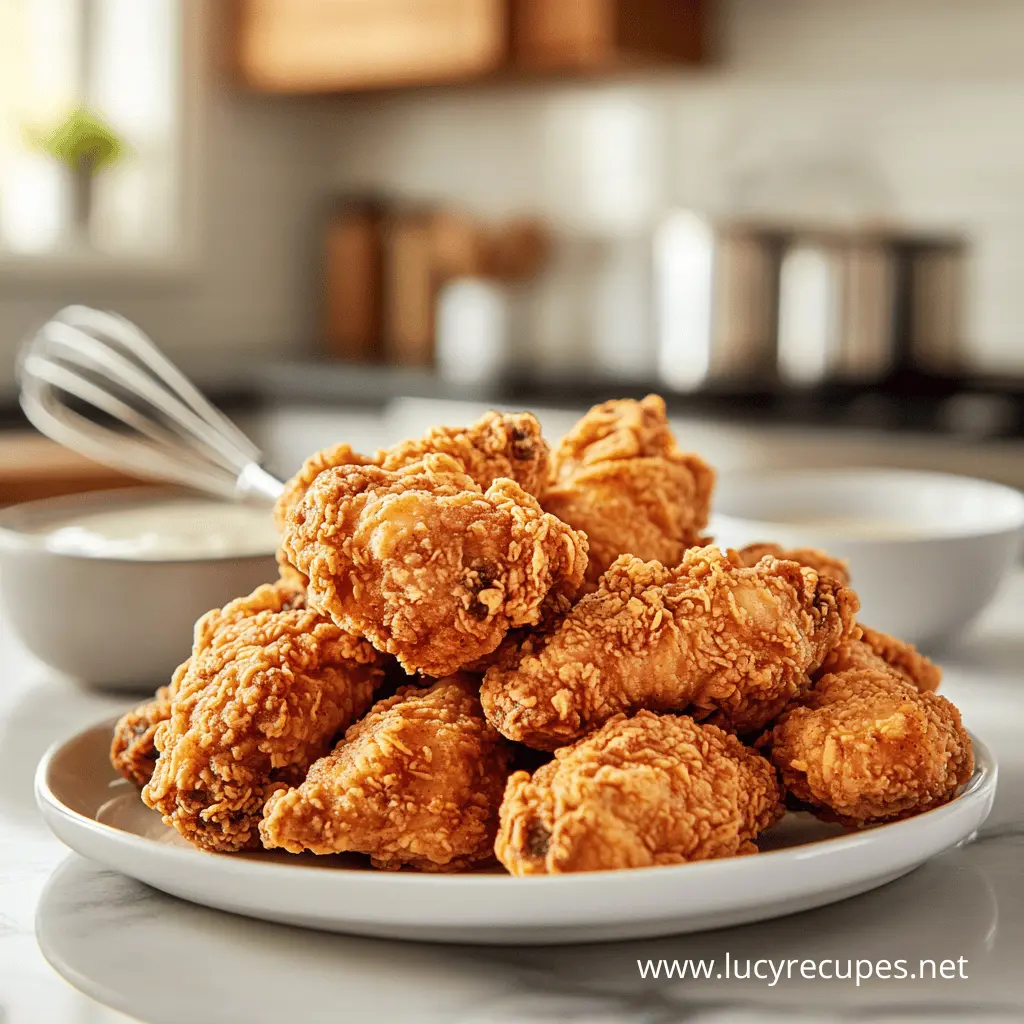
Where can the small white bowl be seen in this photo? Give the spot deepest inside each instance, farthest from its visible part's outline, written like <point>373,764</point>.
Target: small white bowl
<point>116,623</point>
<point>927,551</point>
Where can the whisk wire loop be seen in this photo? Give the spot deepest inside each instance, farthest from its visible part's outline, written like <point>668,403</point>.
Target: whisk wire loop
<point>152,421</point>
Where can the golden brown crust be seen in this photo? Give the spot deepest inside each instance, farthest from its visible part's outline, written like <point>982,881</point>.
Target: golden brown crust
<point>615,431</point>
<point>865,746</point>
<point>132,750</point>
<point>416,783</point>
<point>498,445</point>
<point>509,651</point>
<point>269,685</point>
<point>295,489</point>
<point>425,565</point>
<point>904,658</point>
<point>638,792</point>
<point>720,640</point>
<point>814,558</point>
<point>619,476</point>
<point>869,649</point>
<point>465,553</point>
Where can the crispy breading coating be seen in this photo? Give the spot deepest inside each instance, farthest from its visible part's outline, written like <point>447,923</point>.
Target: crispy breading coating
<point>720,640</point>
<point>416,783</point>
<point>425,565</point>
<point>132,750</point>
<point>814,558</point>
<point>904,657</point>
<point>497,445</point>
<point>864,647</point>
<point>268,687</point>
<point>873,649</point>
<point>295,489</point>
<point>865,746</point>
<point>639,792</point>
<point>619,476</point>
<point>517,640</point>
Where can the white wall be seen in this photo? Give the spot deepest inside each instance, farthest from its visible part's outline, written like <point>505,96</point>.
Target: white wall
<point>909,112</point>
<point>912,111</point>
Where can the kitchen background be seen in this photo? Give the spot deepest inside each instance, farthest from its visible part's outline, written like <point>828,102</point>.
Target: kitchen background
<point>803,215</point>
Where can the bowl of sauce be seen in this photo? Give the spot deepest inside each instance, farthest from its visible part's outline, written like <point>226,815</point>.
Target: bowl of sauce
<point>927,551</point>
<point>106,587</point>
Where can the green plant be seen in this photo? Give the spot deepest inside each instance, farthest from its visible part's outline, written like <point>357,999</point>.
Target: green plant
<point>83,142</point>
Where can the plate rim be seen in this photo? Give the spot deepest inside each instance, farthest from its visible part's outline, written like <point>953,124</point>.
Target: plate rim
<point>980,787</point>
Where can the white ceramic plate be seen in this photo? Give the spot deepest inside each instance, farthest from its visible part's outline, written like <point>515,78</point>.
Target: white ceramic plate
<point>804,864</point>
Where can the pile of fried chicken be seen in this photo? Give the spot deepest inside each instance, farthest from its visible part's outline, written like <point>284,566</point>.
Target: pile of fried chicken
<point>479,648</point>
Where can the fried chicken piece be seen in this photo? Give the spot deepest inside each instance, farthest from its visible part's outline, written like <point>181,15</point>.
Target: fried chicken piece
<point>517,640</point>
<point>638,792</point>
<point>132,750</point>
<point>416,783</point>
<point>295,489</point>
<point>864,647</point>
<point>814,558</point>
<point>723,641</point>
<point>425,565</point>
<point>619,476</point>
<point>497,445</point>
<point>904,658</point>
<point>268,687</point>
<point>865,746</point>
<point>876,650</point>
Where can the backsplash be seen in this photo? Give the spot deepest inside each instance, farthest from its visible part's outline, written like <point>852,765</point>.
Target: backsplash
<point>818,112</point>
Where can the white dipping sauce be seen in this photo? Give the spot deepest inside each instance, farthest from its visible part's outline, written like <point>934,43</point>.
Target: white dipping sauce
<point>864,527</point>
<point>164,530</point>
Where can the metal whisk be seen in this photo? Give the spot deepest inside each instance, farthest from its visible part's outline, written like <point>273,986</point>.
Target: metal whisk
<point>94,382</point>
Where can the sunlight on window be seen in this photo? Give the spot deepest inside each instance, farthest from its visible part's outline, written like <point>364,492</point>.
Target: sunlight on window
<point>118,60</point>
<point>137,43</point>
<point>33,204</point>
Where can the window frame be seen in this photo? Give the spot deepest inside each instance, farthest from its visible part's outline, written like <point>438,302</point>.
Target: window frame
<point>31,271</point>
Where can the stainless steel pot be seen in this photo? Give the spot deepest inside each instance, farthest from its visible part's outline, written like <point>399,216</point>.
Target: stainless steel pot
<point>715,301</point>
<point>837,311</point>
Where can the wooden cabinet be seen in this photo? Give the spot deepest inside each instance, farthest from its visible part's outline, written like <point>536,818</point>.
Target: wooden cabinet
<point>348,45</point>
<point>311,46</point>
<point>600,35</point>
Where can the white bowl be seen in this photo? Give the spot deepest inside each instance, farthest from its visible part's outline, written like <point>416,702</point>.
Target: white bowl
<point>116,623</point>
<point>927,551</point>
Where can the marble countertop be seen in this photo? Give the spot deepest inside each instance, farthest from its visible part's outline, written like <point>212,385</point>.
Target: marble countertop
<point>82,945</point>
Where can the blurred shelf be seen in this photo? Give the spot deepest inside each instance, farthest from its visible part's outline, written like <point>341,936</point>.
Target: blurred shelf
<point>349,46</point>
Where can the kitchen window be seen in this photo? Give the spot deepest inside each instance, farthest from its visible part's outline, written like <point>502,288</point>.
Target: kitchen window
<point>73,72</point>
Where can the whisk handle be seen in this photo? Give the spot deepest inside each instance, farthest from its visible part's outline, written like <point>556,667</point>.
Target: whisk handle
<point>256,485</point>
